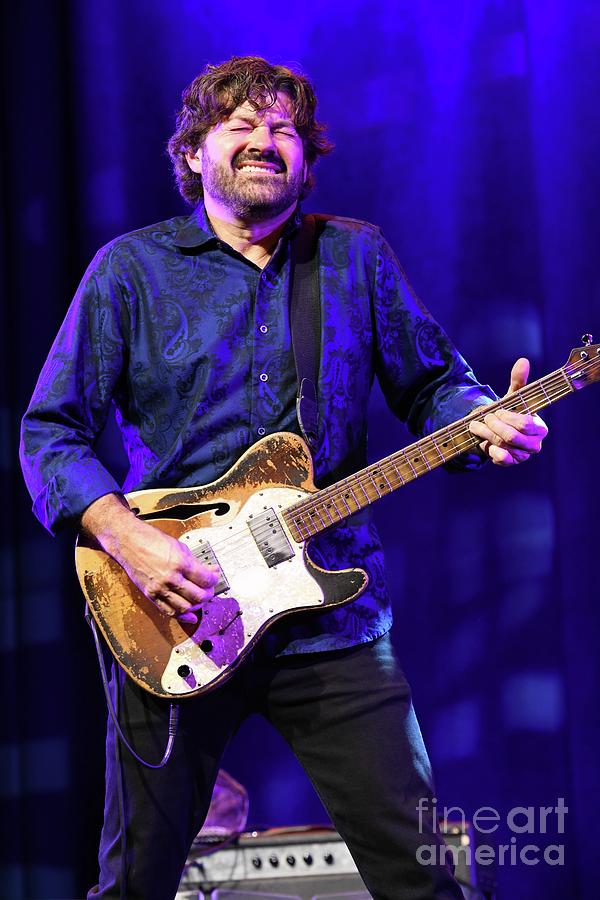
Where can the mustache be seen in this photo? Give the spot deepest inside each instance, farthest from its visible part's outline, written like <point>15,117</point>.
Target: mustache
<point>249,157</point>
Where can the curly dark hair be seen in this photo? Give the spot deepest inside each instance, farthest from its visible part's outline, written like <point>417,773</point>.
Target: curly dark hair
<point>219,90</point>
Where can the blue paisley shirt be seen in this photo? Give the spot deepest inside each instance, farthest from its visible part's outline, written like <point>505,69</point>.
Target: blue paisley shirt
<point>191,343</point>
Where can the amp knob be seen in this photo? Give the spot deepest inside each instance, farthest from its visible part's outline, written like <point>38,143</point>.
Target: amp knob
<point>274,861</point>
<point>328,858</point>
<point>291,860</point>
<point>256,862</point>
<point>308,859</point>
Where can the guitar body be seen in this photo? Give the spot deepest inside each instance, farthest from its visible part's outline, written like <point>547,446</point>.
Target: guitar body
<point>236,522</point>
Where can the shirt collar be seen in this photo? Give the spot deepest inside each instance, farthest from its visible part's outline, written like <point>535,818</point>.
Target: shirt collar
<point>197,230</point>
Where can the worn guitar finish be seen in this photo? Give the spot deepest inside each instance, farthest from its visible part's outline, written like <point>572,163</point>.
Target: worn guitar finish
<point>255,523</point>
<point>235,522</point>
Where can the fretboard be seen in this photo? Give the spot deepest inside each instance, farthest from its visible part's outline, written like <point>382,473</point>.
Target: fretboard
<point>331,505</point>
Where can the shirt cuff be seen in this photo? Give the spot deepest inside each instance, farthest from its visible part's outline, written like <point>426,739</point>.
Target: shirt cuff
<point>64,499</point>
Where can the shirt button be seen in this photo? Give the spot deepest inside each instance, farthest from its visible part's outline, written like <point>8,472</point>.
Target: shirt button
<point>263,376</point>
<point>263,329</point>
<point>261,430</point>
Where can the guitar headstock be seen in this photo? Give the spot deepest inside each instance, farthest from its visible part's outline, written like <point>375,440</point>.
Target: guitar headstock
<point>583,366</point>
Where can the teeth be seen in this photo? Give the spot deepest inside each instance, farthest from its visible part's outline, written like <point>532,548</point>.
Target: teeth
<point>258,169</point>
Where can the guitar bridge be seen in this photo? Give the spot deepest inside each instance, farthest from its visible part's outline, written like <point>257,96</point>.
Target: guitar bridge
<point>270,538</point>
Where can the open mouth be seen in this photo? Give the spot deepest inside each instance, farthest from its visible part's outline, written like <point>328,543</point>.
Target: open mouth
<point>259,168</point>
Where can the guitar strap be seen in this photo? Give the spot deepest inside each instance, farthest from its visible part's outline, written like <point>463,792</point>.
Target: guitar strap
<point>305,325</point>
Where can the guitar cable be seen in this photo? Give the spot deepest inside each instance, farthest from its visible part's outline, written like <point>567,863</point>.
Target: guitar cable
<point>113,709</point>
<point>120,797</point>
<point>173,712</point>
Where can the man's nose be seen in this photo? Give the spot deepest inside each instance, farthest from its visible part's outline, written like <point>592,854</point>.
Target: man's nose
<point>261,138</point>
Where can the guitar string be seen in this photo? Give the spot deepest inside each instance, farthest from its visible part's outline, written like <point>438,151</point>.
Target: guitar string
<point>414,458</point>
<point>459,427</point>
<point>344,490</point>
<point>297,510</point>
<point>461,441</point>
<point>420,464</point>
<point>236,541</point>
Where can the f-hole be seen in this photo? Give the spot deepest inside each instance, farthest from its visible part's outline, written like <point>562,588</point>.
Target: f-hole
<point>185,511</point>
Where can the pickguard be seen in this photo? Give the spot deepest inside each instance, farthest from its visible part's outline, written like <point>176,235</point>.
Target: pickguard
<point>256,594</point>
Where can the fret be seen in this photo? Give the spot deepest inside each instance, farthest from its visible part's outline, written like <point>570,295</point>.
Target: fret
<point>315,512</point>
<point>350,497</point>
<point>439,452</point>
<point>524,402</point>
<point>397,470</point>
<point>311,530</point>
<point>360,484</point>
<point>569,385</point>
<point>463,440</point>
<point>545,398</point>
<point>407,472</point>
<point>358,505</point>
<point>410,465</point>
<point>392,475</point>
<point>346,504</point>
<point>450,441</point>
<point>538,400</point>
<point>374,483</point>
<point>296,532</point>
<point>554,382</point>
<point>301,526</point>
<point>326,506</point>
<point>386,479</point>
<point>415,462</point>
<point>425,460</point>
<point>337,512</point>
<point>543,389</point>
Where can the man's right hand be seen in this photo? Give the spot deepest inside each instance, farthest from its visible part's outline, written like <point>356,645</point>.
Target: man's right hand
<point>163,568</point>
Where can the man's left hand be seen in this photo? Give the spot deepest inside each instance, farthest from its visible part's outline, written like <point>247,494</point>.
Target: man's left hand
<point>509,438</point>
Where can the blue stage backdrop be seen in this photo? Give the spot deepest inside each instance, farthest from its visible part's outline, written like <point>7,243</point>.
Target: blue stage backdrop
<point>470,132</point>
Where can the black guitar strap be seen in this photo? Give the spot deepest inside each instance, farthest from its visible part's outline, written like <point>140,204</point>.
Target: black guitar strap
<point>305,325</point>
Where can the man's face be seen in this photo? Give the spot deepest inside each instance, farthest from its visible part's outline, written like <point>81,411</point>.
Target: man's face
<point>252,164</point>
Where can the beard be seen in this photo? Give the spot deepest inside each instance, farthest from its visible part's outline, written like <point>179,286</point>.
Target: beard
<point>252,197</point>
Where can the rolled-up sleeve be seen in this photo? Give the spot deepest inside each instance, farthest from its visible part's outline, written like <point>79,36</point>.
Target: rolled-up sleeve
<point>72,399</point>
<point>425,380</point>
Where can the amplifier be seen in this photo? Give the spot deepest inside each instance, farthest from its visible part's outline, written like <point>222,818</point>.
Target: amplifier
<point>292,864</point>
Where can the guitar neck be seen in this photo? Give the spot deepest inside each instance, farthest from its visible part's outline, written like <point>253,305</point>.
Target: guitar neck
<point>333,504</point>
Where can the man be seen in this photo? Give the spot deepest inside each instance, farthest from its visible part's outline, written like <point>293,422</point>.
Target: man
<point>185,326</point>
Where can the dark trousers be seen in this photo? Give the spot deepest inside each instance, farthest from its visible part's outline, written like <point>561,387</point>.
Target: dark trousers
<point>348,717</point>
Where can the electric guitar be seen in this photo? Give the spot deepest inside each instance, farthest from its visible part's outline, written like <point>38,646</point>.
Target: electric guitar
<point>255,523</point>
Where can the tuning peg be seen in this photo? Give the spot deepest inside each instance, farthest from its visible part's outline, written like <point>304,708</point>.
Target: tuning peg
<point>587,339</point>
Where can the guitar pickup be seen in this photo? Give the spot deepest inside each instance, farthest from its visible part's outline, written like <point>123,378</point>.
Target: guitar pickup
<point>270,538</point>
<point>205,553</point>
